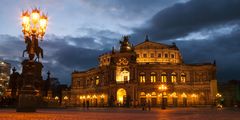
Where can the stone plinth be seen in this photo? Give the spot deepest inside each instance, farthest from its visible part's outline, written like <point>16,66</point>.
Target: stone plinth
<point>32,78</point>
<point>27,100</point>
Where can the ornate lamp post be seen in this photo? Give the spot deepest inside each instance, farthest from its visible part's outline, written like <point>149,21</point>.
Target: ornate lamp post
<point>163,88</point>
<point>34,26</point>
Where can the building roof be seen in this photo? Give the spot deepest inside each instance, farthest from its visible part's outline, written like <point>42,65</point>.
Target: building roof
<point>155,45</point>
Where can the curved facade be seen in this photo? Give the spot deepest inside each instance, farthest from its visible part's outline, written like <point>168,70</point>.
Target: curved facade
<point>134,74</point>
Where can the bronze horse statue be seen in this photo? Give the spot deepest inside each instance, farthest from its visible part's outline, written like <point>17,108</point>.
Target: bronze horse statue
<point>38,52</point>
<point>29,45</point>
<point>33,45</point>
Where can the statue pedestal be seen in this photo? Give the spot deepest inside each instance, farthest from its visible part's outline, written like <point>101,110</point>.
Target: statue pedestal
<point>32,78</point>
<point>27,100</point>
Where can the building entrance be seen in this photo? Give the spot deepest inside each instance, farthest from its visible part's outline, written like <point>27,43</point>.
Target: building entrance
<point>121,96</point>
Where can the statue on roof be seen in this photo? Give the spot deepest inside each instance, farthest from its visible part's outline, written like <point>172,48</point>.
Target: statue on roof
<point>125,45</point>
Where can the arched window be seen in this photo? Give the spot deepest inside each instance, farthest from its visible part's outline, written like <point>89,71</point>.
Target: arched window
<point>142,77</point>
<point>154,94</point>
<point>125,75</point>
<point>183,77</point>
<point>174,77</point>
<point>153,77</point>
<point>97,80</point>
<point>142,94</point>
<point>163,77</point>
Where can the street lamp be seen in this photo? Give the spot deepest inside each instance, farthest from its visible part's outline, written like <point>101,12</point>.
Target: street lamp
<point>218,95</point>
<point>102,99</point>
<point>65,100</point>
<point>218,99</point>
<point>184,96</point>
<point>163,88</point>
<point>95,99</point>
<point>194,96</point>
<point>34,26</point>
<point>148,98</point>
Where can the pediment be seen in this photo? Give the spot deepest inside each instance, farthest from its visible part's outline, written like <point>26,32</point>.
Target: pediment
<point>150,45</point>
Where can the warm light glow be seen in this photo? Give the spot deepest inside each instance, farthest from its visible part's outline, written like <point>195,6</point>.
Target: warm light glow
<point>148,95</point>
<point>94,96</point>
<point>218,95</point>
<point>121,93</point>
<point>43,23</point>
<point>174,95</point>
<point>184,95</point>
<point>194,95</point>
<point>102,96</point>
<point>88,96</point>
<point>34,23</point>
<point>56,98</point>
<point>122,76</point>
<point>35,15</point>
<point>65,98</point>
<point>120,100</point>
<point>164,77</point>
<point>162,87</point>
<point>80,97</point>
<point>25,20</point>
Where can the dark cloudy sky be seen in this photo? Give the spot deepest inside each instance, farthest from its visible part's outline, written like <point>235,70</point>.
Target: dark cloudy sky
<point>80,30</point>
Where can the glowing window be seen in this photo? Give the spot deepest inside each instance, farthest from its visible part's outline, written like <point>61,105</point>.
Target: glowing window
<point>142,94</point>
<point>97,80</point>
<point>154,94</point>
<point>183,77</point>
<point>125,75</point>
<point>142,77</point>
<point>153,77</point>
<point>164,77</point>
<point>174,77</point>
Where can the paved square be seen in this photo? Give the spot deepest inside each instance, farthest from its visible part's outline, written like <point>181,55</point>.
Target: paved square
<point>123,114</point>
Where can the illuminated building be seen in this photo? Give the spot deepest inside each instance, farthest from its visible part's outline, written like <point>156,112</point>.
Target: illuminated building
<point>133,75</point>
<point>4,76</point>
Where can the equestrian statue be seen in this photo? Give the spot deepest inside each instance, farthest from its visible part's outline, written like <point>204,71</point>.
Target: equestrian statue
<point>32,48</point>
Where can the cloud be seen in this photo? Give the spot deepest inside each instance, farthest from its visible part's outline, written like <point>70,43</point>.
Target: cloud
<point>224,49</point>
<point>184,18</point>
<point>61,57</point>
<point>204,30</point>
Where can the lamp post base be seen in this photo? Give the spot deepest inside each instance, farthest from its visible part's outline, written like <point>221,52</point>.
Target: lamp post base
<point>27,101</point>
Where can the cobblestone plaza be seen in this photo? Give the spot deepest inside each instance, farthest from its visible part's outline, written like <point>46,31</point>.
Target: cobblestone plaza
<point>123,114</point>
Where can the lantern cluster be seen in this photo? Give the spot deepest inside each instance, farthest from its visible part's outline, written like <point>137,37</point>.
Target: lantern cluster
<point>34,23</point>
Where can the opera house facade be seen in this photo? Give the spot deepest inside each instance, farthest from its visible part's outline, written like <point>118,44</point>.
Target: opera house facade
<point>146,73</point>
